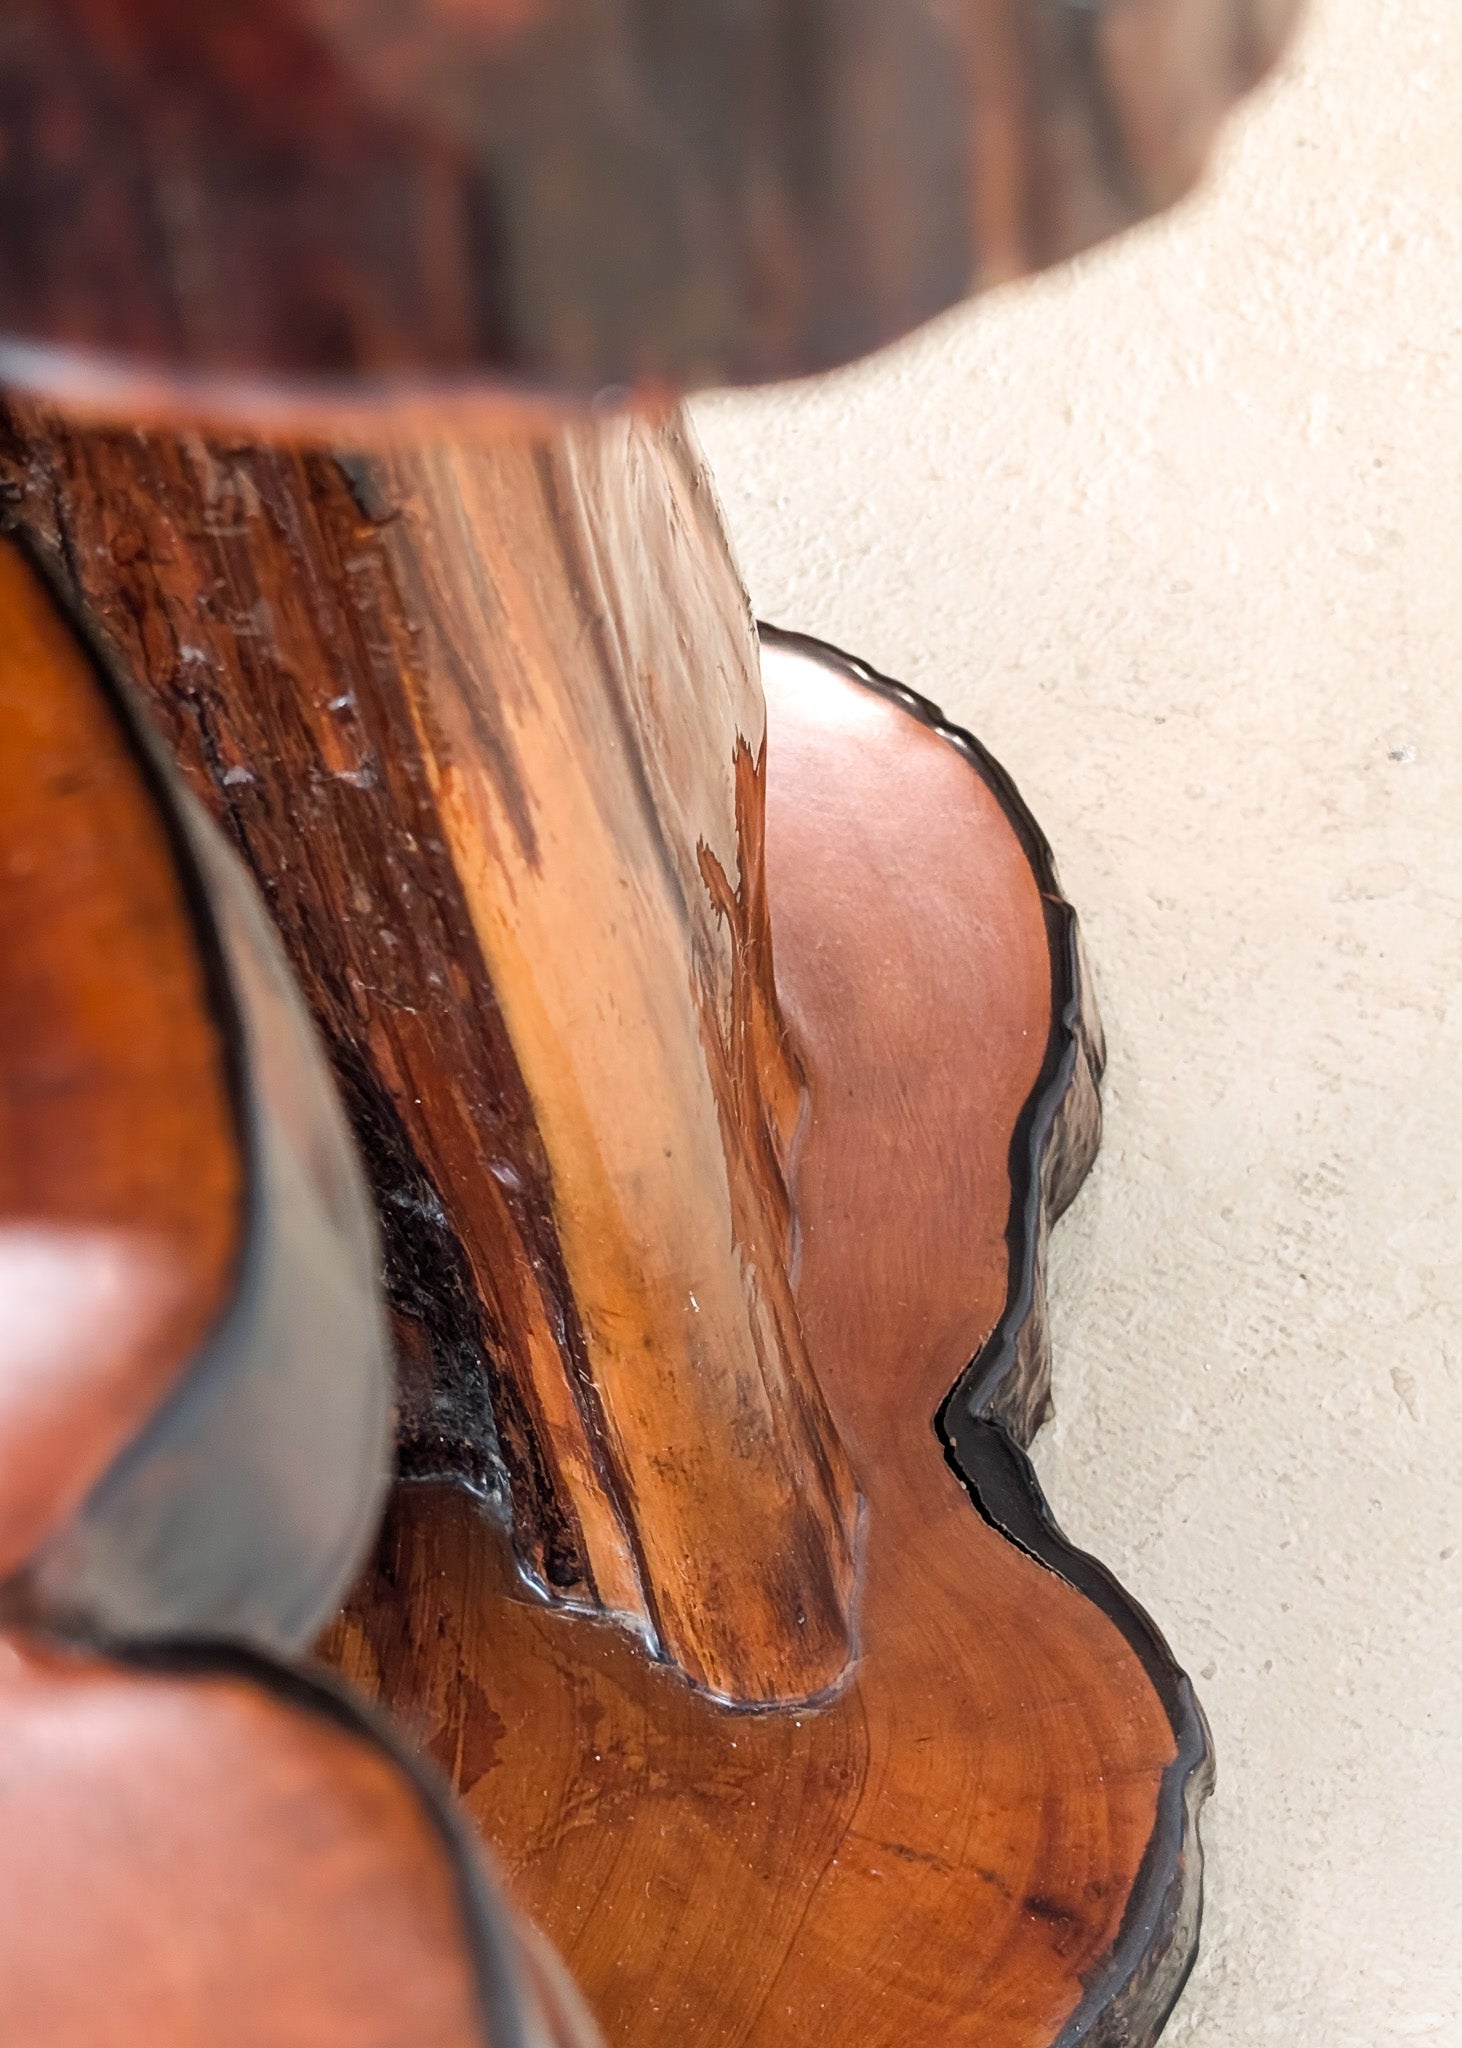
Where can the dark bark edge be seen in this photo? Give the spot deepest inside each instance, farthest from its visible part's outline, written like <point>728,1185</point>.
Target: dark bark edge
<point>1003,1396</point>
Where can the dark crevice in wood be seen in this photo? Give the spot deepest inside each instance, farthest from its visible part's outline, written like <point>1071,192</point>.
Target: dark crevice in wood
<point>445,1425</point>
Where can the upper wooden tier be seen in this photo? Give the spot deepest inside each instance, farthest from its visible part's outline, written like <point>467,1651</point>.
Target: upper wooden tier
<point>215,203</point>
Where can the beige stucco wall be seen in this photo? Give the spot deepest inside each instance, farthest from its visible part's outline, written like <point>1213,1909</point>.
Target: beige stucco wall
<point>1179,532</point>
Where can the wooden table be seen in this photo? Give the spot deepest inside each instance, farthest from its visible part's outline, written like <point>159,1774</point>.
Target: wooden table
<point>715,1039</point>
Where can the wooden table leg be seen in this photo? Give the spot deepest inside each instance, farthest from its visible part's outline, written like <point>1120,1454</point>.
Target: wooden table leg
<point>488,725</point>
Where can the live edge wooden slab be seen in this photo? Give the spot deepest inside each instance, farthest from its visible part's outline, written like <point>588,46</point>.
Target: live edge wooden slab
<point>985,1832</point>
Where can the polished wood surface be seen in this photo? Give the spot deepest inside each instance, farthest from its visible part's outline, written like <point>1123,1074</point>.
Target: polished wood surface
<point>486,721</point>
<point>206,1856</point>
<point>984,1835</point>
<point>120,1165</point>
<point>717,1092</point>
<point>720,1064</point>
<point>198,1846</point>
<point>277,207</point>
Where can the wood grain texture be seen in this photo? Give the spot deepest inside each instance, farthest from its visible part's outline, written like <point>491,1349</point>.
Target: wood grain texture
<point>786,1070</point>
<point>986,1835</point>
<point>486,722</point>
<point>194,1393</point>
<point>121,1175</point>
<point>197,1846</point>
<point>220,206</point>
<point>199,1850</point>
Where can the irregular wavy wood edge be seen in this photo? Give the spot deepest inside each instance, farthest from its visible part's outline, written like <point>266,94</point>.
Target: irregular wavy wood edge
<point>1003,1396</point>
<point>506,2002</point>
<point>93,1576</point>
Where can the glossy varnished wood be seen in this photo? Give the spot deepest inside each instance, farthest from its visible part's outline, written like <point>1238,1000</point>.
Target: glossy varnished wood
<point>713,1141</point>
<point>719,1072</point>
<point>120,1163</point>
<point>194,1405</point>
<point>263,203</point>
<point>202,1851</point>
<point>198,1846</point>
<point>486,720</point>
<point>985,1835</point>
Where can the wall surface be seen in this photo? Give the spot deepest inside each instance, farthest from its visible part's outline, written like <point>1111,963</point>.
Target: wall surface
<point>1179,533</point>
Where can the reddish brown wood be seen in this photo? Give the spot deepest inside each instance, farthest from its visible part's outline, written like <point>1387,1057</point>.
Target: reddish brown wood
<point>982,1836</point>
<point>513,793</point>
<point>196,1846</point>
<point>120,1172</point>
<point>487,723</point>
<point>690,1237</point>
<point>211,1856</point>
<point>263,204</point>
<point>194,1412</point>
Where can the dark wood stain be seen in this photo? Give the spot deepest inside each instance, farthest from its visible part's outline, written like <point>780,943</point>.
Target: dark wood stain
<point>566,195</point>
<point>199,563</point>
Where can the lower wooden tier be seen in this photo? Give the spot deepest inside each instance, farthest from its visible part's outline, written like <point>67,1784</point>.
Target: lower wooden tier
<point>987,1834</point>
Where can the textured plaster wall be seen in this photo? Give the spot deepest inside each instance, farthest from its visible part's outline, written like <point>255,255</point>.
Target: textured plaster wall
<point>1179,532</point>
